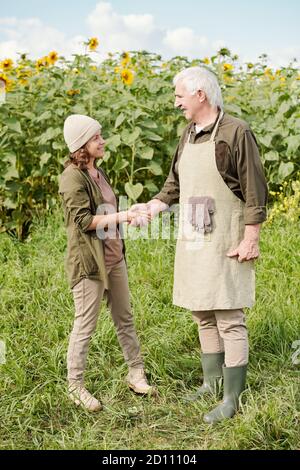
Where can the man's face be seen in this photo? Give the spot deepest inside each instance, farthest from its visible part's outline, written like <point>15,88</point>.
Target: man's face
<point>189,104</point>
<point>96,145</point>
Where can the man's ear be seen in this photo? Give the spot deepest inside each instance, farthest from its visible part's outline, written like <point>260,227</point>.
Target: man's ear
<point>201,96</point>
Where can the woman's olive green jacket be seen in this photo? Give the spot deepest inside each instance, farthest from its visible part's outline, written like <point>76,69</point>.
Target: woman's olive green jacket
<point>81,197</point>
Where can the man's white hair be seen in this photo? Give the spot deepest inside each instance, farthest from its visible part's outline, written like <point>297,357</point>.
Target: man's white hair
<point>200,78</point>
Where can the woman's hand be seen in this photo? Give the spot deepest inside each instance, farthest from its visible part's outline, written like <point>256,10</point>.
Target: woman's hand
<point>142,215</point>
<point>131,216</point>
<point>128,216</point>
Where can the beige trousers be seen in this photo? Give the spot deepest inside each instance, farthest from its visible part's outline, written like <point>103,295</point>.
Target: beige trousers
<point>224,331</point>
<point>87,296</point>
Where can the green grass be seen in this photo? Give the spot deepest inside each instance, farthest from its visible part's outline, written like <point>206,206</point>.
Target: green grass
<point>36,313</point>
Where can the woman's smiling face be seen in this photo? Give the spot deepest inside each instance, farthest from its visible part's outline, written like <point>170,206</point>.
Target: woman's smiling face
<point>95,146</point>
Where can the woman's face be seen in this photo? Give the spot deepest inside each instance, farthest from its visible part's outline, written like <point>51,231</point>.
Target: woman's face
<point>95,146</point>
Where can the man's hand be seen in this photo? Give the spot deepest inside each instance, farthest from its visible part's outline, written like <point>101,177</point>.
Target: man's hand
<point>142,215</point>
<point>248,248</point>
<point>147,212</point>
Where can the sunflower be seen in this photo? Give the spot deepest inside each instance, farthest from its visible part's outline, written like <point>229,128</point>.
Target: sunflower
<point>125,59</point>
<point>228,67</point>
<point>43,62</point>
<point>127,76</point>
<point>73,92</point>
<point>52,57</point>
<point>227,78</point>
<point>5,82</point>
<point>3,78</point>
<point>22,71</point>
<point>23,74</point>
<point>93,44</point>
<point>269,74</point>
<point>7,64</point>
<point>23,81</point>
<point>206,60</point>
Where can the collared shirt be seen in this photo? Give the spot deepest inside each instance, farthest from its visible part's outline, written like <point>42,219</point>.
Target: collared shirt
<point>237,160</point>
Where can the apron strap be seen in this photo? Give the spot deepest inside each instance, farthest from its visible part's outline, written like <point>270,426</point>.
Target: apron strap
<point>213,135</point>
<point>189,137</point>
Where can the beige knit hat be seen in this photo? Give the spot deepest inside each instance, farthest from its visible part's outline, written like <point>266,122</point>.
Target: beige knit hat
<point>78,129</point>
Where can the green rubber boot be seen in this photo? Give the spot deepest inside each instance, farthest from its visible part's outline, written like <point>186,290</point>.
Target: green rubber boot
<point>234,384</point>
<point>212,375</point>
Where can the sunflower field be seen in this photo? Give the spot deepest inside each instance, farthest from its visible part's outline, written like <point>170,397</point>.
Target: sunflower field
<point>132,95</point>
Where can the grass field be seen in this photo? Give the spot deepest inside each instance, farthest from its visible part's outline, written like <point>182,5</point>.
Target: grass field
<point>36,313</point>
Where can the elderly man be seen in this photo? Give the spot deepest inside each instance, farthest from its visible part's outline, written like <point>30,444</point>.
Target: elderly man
<point>217,176</point>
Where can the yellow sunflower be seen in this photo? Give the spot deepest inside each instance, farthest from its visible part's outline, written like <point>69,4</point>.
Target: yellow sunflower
<point>73,92</point>
<point>23,74</point>
<point>43,62</point>
<point>6,81</point>
<point>93,44</point>
<point>52,57</point>
<point>3,80</point>
<point>206,60</point>
<point>228,67</point>
<point>127,76</point>
<point>227,78</point>
<point>269,74</point>
<point>125,59</point>
<point>7,64</point>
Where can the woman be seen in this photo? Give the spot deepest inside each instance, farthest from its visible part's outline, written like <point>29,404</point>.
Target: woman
<point>95,263</point>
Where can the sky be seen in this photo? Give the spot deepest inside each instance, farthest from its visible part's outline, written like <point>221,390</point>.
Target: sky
<point>194,28</point>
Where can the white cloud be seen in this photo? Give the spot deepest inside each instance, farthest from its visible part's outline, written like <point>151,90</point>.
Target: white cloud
<point>32,36</point>
<point>140,24</point>
<point>122,32</point>
<point>283,57</point>
<point>185,41</point>
<point>8,49</point>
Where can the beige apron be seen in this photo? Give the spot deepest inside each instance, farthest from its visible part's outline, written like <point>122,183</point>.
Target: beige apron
<point>204,277</point>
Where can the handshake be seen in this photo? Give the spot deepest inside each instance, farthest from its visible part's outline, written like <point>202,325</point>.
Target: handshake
<point>139,215</point>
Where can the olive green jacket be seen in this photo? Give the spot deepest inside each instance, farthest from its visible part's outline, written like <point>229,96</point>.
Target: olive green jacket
<point>85,252</point>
